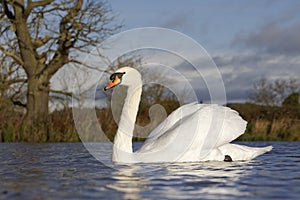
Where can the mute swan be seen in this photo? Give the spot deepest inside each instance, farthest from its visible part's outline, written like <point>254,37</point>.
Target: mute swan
<point>193,132</point>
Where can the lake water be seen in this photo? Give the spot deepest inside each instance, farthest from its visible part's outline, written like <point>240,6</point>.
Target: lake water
<point>68,171</point>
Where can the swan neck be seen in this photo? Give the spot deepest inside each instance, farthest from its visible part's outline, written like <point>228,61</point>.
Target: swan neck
<point>123,138</point>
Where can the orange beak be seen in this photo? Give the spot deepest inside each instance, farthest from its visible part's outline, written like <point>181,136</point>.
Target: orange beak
<point>112,83</point>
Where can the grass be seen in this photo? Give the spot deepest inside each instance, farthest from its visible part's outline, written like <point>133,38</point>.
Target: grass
<point>264,124</point>
<point>269,123</point>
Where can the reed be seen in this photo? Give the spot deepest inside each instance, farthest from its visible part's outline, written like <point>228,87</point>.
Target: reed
<point>270,123</point>
<point>264,124</point>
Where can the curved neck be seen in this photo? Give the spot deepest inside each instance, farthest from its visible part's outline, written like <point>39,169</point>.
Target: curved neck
<point>123,138</point>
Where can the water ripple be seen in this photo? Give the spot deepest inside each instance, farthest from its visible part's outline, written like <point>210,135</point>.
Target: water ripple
<point>62,171</point>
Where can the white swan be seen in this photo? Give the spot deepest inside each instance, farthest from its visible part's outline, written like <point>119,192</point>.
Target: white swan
<point>193,132</point>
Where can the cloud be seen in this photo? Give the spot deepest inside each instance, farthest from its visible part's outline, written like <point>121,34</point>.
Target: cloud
<point>238,59</point>
<point>177,21</point>
<point>241,70</point>
<point>273,38</point>
<point>184,21</point>
<point>271,51</point>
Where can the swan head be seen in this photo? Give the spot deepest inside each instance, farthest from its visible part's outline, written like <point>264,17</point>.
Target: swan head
<point>124,76</point>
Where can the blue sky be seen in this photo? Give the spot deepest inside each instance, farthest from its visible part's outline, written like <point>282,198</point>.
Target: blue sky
<point>248,40</point>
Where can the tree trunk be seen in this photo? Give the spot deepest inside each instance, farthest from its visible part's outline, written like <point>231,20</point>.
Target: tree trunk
<point>35,125</point>
<point>36,121</point>
<point>37,101</point>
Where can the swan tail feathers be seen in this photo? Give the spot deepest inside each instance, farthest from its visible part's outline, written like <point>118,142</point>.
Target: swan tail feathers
<point>233,125</point>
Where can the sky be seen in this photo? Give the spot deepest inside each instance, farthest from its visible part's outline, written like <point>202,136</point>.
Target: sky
<point>248,40</point>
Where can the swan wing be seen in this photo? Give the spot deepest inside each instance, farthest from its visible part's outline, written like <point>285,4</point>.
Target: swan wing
<point>195,129</point>
<point>172,143</point>
<point>173,118</point>
<point>230,124</point>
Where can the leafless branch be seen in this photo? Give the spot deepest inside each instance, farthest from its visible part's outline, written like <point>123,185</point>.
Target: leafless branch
<point>61,92</point>
<point>31,5</point>
<point>12,55</point>
<point>8,13</point>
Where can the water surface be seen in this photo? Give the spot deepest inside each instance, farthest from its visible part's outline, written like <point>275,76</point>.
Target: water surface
<point>68,171</point>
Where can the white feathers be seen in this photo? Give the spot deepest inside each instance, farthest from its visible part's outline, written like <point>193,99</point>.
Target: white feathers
<point>193,132</point>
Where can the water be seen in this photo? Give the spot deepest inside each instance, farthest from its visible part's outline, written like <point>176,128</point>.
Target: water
<point>68,171</point>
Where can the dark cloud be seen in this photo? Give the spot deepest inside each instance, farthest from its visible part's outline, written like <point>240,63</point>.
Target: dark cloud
<point>249,59</point>
<point>272,38</point>
<point>178,21</point>
<point>272,51</point>
<point>241,70</point>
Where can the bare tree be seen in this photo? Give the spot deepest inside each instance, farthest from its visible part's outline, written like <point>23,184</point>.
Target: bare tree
<point>67,79</point>
<point>12,83</point>
<point>273,93</point>
<point>43,36</point>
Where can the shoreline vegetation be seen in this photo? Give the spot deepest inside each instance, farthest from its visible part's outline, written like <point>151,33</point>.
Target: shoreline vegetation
<point>265,123</point>
<point>34,55</point>
<point>269,123</point>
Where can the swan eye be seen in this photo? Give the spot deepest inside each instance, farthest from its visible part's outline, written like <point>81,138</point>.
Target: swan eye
<point>116,79</point>
<point>118,74</point>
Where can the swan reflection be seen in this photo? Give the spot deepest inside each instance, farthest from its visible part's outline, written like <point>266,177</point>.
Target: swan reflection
<point>181,180</point>
<point>129,183</point>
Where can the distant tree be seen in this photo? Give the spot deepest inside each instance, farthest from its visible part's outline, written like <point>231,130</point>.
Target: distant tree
<point>273,93</point>
<point>263,93</point>
<point>41,37</point>
<point>292,101</point>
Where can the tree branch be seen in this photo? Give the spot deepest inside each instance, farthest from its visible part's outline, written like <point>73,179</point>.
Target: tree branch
<point>61,92</point>
<point>13,81</point>
<point>7,12</point>
<point>12,55</point>
<point>18,103</point>
<point>56,63</point>
<point>31,5</point>
<point>38,42</point>
<point>61,56</point>
<point>85,65</point>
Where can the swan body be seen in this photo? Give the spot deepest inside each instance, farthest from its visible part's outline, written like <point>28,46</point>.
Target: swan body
<point>194,132</point>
